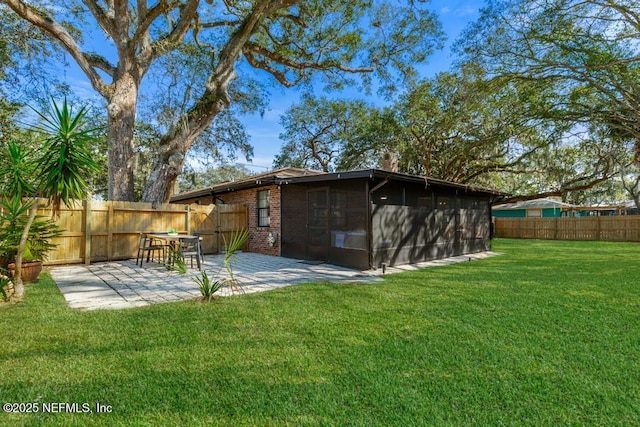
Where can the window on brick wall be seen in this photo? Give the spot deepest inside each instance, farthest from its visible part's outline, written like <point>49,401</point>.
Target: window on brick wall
<point>264,212</point>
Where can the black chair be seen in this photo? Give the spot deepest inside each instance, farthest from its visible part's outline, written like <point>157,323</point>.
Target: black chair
<point>190,247</point>
<point>148,246</point>
<point>196,234</point>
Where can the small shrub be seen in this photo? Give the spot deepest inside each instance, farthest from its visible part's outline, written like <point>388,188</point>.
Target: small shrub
<point>176,261</point>
<point>238,238</point>
<point>5,285</point>
<point>207,287</point>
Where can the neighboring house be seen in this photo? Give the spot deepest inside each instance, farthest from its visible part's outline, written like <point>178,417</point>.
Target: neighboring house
<point>621,208</point>
<point>538,208</point>
<point>361,219</point>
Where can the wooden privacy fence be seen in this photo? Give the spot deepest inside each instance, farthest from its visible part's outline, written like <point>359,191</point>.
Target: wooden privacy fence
<point>107,230</point>
<point>610,228</point>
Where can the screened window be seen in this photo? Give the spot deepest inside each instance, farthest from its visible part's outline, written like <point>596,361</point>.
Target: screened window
<point>338,208</point>
<point>264,214</point>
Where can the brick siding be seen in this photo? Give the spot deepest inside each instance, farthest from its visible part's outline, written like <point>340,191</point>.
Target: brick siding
<point>258,235</point>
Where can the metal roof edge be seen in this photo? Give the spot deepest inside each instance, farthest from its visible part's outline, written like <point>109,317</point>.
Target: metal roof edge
<point>316,176</point>
<point>381,173</point>
<point>262,179</point>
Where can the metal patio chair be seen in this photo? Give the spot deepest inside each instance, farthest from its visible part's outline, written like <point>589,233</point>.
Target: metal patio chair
<point>147,246</point>
<point>190,247</point>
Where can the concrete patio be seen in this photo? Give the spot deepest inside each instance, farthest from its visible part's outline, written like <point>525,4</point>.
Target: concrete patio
<point>123,284</point>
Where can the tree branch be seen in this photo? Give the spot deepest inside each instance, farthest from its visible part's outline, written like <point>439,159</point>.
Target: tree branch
<point>102,18</point>
<point>147,17</point>
<point>299,65</point>
<point>100,62</point>
<point>279,76</point>
<point>184,23</point>
<point>63,38</point>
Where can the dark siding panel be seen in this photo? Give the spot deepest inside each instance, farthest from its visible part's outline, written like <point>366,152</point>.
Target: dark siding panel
<point>347,222</point>
<point>294,221</point>
<point>407,234</point>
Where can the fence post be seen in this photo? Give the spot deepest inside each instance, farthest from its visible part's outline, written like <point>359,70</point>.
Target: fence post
<point>188,227</point>
<point>87,231</point>
<point>110,231</point>
<point>218,229</point>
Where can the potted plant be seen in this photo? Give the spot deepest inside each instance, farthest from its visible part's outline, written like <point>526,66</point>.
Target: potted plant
<point>38,244</point>
<point>36,249</point>
<point>31,266</point>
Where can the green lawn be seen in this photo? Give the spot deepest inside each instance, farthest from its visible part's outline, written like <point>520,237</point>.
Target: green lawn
<point>546,334</point>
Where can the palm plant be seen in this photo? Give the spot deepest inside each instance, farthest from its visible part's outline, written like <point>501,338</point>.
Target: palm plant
<point>237,240</point>
<point>61,164</point>
<point>175,261</point>
<point>207,286</point>
<point>66,158</point>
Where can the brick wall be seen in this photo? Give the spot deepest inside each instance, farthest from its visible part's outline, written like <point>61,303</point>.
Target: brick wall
<point>258,235</point>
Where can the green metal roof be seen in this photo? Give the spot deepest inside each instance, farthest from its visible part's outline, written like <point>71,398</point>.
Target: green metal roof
<point>534,204</point>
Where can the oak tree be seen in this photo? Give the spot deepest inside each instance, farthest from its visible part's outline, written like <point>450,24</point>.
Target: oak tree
<point>289,40</point>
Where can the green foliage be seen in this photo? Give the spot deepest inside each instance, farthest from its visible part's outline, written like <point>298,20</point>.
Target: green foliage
<point>176,261</point>
<point>192,179</point>
<point>237,240</point>
<point>542,335</point>
<point>207,287</point>
<point>318,132</point>
<point>67,157</point>
<point>582,58</point>
<point>13,219</point>
<point>5,280</point>
<point>17,169</point>
<point>342,43</point>
<point>60,165</point>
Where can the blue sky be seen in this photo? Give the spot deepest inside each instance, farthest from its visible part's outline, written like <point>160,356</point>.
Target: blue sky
<point>264,130</point>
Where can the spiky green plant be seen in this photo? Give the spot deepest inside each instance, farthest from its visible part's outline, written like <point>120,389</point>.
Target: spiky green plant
<point>17,171</point>
<point>208,287</point>
<point>176,261</point>
<point>236,241</point>
<point>67,159</point>
<point>64,160</point>
<point>4,281</point>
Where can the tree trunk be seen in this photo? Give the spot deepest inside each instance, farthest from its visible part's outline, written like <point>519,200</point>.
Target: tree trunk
<point>18,285</point>
<point>120,131</point>
<point>169,161</point>
<point>167,166</point>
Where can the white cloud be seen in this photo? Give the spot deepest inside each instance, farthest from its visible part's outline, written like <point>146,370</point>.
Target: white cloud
<point>466,10</point>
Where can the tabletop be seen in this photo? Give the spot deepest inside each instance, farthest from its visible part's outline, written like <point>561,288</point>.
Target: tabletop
<point>172,237</point>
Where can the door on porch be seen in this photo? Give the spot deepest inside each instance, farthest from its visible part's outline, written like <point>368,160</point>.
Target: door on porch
<point>318,224</point>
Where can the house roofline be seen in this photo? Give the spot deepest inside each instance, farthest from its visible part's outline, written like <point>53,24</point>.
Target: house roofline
<point>380,173</point>
<point>266,178</point>
<point>273,178</point>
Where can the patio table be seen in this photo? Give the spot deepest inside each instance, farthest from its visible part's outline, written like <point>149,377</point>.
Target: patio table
<point>173,240</point>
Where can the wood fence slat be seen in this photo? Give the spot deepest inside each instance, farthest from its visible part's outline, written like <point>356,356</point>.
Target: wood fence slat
<point>102,230</point>
<point>609,228</point>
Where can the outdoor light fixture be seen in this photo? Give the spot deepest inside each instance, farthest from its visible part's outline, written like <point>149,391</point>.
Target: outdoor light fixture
<point>271,239</point>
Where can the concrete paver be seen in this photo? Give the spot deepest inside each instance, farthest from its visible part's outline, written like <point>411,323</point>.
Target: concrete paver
<point>122,284</point>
